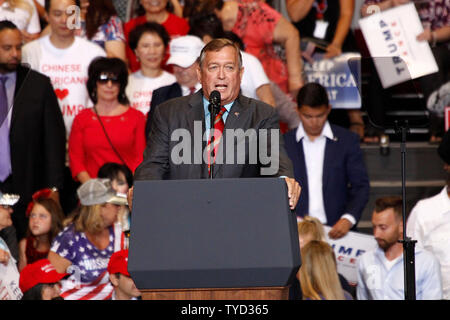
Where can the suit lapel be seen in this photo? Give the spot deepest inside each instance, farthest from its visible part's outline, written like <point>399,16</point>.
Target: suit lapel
<point>18,91</point>
<point>175,91</point>
<point>237,118</point>
<point>197,115</point>
<point>330,151</point>
<point>302,168</point>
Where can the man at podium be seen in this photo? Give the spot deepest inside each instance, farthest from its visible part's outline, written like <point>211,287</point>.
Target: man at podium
<point>243,142</point>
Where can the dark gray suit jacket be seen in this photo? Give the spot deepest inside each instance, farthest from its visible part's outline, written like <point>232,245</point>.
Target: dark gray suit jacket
<point>181,113</point>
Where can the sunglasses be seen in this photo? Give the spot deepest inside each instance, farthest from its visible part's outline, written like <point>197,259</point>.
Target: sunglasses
<point>104,78</point>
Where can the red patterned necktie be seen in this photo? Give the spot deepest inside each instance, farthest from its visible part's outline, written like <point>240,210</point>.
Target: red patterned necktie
<point>191,90</point>
<point>219,125</point>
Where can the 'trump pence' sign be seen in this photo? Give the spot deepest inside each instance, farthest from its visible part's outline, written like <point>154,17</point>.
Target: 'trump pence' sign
<point>348,250</point>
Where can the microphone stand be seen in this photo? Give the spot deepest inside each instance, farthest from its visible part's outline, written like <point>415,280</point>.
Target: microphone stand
<point>408,243</point>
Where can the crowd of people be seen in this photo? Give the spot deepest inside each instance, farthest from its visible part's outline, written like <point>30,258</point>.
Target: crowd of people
<point>91,91</point>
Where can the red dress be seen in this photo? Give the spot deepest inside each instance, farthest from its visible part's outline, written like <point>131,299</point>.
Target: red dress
<point>256,22</point>
<point>89,148</point>
<point>174,25</point>
<point>32,254</point>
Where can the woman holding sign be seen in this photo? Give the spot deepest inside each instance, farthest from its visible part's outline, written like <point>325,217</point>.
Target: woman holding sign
<point>435,18</point>
<point>262,29</point>
<point>327,24</point>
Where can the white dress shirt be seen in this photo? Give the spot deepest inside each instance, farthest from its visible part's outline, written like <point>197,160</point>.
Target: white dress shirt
<point>314,151</point>
<point>379,279</point>
<point>185,91</point>
<point>429,224</point>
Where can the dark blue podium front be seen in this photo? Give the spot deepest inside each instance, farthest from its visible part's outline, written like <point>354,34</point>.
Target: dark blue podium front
<point>222,233</point>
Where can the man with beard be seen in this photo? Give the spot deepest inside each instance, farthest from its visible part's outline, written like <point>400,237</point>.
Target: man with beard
<point>32,133</point>
<point>380,272</point>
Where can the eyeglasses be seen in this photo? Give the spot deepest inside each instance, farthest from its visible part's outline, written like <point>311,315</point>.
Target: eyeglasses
<point>104,78</point>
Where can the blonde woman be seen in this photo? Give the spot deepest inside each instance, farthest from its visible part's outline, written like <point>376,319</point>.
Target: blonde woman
<point>310,228</point>
<point>318,275</point>
<point>24,15</point>
<point>85,246</point>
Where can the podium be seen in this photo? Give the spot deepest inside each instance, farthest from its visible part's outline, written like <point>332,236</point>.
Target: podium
<point>213,239</point>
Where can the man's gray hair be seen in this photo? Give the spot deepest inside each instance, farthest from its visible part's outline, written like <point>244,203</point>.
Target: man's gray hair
<point>217,45</point>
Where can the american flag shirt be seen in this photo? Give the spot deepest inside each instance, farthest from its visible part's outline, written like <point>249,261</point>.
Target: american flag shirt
<point>89,279</point>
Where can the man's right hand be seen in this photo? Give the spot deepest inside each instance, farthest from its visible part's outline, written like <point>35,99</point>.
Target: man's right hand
<point>294,190</point>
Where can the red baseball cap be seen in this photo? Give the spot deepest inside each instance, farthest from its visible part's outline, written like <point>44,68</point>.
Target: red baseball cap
<point>118,263</point>
<point>41,271</point>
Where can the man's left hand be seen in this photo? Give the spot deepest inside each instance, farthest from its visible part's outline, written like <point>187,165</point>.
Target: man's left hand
<point>340,229</point>
<point>294,190</point>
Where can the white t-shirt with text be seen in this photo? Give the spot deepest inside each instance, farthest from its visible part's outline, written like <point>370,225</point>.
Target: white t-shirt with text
<point>140,88</point>
<point>67,70</point>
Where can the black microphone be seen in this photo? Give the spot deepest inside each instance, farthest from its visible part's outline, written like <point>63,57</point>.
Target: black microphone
<point>214,109</point>
<point>214,100</point>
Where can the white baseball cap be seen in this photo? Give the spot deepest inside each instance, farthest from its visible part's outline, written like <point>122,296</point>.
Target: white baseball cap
<point>185,50</point>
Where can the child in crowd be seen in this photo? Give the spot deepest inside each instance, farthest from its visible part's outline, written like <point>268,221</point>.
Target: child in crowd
<point>45,222</point>
<point>40,281</point>
<point>121,180</point>
<point>124,287</point>
<point>120,175</point>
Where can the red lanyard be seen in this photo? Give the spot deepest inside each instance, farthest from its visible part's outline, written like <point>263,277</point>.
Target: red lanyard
<point>321,6</point>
